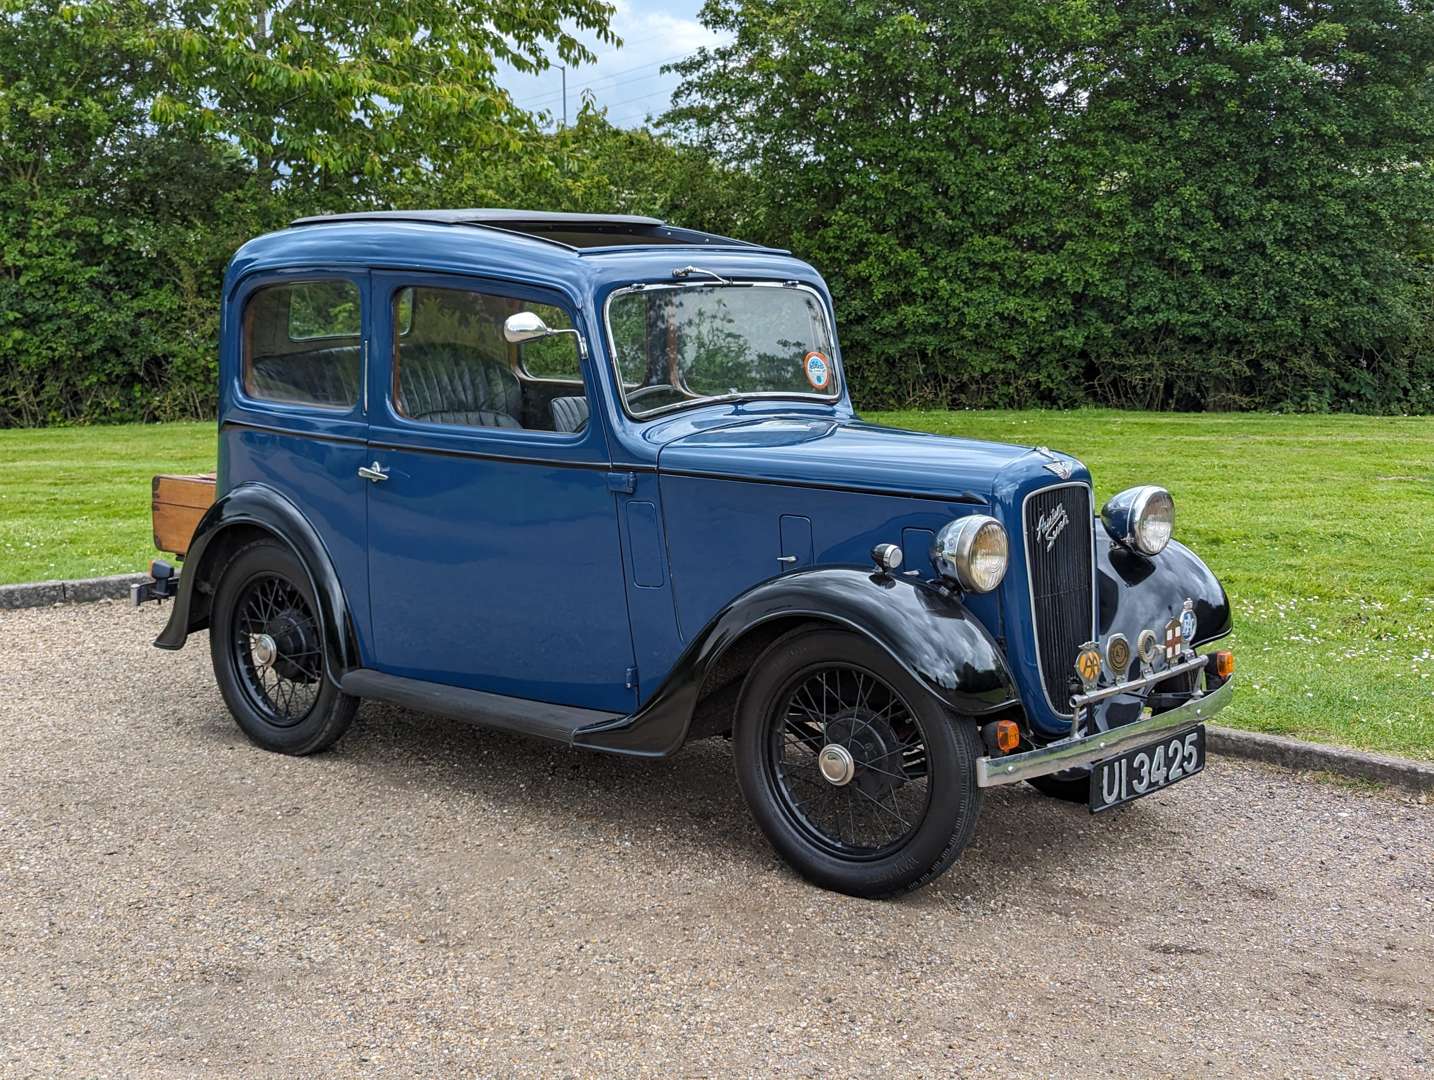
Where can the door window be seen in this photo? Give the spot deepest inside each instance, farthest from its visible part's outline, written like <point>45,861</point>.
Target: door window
<point>452,364</point>
<point>302,343</point>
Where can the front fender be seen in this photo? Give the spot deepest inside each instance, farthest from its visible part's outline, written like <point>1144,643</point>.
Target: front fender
<point>1139,593</point>
<point>251,507</point>
<point>926,630</point>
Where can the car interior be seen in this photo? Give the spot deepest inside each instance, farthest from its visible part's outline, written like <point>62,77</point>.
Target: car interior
<point>451,362</point>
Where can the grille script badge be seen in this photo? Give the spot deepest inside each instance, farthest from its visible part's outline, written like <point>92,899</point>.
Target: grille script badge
<point>1050,524</point>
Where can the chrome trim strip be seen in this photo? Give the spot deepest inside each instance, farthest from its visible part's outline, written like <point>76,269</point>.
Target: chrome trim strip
<point>1031,585</point>
<point>1074,753</point>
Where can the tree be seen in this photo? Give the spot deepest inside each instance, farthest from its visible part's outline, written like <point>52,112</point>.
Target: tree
<point>346,95</point>
<point>1174,204</point>
<point>112,233</point>
<point>594,167</point>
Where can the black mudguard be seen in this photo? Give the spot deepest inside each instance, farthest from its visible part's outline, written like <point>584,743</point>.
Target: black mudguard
<point>257,506</point>
<point>1139,593</point>
<point>925,629</point>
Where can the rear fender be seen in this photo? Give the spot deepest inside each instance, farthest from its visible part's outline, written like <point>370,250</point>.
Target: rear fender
<point>927,630</point>
<point>240,515</point>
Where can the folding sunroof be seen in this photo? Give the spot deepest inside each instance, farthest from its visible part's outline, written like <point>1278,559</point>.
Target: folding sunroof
<point>570,230</point>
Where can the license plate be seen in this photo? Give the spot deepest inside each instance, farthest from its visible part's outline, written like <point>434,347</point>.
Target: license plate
<point>1146,768</point>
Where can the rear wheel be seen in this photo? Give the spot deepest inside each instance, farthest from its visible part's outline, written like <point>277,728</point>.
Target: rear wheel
<point>266,642</point>
<point>858,778</point>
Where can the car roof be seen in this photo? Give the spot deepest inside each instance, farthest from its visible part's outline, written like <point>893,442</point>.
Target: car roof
<point>578,232</point>
<point>454,241</point>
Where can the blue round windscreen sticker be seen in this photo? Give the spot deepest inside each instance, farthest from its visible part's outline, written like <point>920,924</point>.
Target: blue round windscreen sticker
<point>819,372</point>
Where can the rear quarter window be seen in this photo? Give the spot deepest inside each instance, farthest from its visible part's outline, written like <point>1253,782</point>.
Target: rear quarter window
<point>302,343</point>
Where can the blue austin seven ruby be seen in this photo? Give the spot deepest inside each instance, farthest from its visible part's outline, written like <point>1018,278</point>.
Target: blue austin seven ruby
<point>599,479</point>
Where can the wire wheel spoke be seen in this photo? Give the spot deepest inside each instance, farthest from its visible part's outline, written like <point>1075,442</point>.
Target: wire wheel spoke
<point>849,760</point>
<point>278,651</point>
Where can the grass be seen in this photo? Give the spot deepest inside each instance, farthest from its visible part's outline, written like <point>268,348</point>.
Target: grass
<point>74,502</point>
<point>1322,529</point>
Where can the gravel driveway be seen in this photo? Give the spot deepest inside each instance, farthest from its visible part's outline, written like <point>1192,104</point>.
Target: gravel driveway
<point>431,899</point>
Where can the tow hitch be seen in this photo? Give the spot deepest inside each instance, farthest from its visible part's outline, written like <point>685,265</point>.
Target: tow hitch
<point>161,584</point>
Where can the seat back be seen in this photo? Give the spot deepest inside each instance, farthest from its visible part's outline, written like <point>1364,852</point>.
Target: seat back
<point>453,384</point>
<point>313,377</point>
<point>569,413</point>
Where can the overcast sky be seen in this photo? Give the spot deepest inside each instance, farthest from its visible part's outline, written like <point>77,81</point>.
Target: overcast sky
<point>626,80</point>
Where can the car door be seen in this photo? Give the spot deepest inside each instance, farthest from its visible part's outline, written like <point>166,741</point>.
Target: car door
<point>293,409</point>
<point>494,558</point>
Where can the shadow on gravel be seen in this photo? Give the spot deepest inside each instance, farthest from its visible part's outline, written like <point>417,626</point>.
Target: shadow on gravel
<point>1024,841</point>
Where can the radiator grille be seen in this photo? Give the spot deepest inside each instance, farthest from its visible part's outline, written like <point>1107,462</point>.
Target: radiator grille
<point>1058,560</point>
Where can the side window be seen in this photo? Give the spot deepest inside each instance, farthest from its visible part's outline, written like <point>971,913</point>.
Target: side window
<point>554,357</point>
<point>302,344</point>
<point>452,364</point>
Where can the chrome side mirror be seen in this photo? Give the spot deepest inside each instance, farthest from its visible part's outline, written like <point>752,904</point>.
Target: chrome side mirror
<point>524,326</point>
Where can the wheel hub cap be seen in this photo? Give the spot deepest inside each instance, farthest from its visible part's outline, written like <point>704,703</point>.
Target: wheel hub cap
<point>836,764</point>
<point>265,650</point>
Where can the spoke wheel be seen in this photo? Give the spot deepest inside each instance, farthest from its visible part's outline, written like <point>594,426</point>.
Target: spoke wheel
<point>860,776</point>
<point>277,650</point>
<point>267,643</point>
<point>849,759</point>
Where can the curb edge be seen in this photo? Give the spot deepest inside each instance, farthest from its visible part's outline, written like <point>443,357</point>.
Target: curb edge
<point>84,591</point>
<point>1406,773</point>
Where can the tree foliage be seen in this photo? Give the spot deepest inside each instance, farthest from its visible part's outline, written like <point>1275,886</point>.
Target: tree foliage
<point>344,93</point>
<point>1179,204</point>
<point>1189,204</point>
<point>141,143</point>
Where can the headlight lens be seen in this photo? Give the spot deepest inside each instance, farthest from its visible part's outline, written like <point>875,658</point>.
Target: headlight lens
<point>973,552</point>
<point>1141,518</point>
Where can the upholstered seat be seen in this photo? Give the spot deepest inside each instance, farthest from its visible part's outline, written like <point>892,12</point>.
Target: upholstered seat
<point>445,384</point>
<point>453,384</point>
<point>569,413</point>
<point>316,377</point>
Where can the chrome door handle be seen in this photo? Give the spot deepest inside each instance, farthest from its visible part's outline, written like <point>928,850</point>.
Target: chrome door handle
<point>373,472</point>
<point>786,558</point>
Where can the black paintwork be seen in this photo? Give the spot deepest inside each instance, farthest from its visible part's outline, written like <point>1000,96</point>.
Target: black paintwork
<point>260,506</point>
<point>537,718</point>
<point>925,629</point>
<point>1136,592</point>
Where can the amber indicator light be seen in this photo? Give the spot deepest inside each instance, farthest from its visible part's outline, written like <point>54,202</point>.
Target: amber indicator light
<point>1223,663</point>
<point>1008,736</point>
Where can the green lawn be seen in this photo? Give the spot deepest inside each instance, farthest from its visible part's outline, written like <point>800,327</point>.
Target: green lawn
<point>1320,528</point>
<point>74,502</point>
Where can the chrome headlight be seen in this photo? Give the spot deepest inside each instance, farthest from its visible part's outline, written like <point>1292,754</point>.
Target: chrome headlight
<point>1141,518</point>
<point>973,552</point>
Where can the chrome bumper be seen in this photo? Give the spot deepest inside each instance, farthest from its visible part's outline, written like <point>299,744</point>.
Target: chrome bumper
<point>1072,753</point>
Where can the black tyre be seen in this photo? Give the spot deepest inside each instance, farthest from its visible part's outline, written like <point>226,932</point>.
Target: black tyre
<point>1070,786</point>
<point>858,778</point>
<point>266,642</point>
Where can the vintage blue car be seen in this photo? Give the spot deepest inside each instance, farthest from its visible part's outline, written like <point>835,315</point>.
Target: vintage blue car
<point>599,479</point>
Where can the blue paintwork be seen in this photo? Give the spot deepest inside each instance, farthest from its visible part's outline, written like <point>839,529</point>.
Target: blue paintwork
<point>549,566</point>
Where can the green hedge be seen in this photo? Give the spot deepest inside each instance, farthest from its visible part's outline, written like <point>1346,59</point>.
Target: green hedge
<point>1042,202</point>
<point>1183,204</point>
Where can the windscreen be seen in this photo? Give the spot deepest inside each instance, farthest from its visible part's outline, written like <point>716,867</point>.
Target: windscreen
<point>696,343</point>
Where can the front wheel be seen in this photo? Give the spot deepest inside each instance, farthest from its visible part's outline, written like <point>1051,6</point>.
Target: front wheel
<point>267,646</point>
<point>860,780</point>
<point>1072,786</point>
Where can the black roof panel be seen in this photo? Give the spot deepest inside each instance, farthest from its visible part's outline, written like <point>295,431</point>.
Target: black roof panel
<point>483,216</point>
<point>574,231</point>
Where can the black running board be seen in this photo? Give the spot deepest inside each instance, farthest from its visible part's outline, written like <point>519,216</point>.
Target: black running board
<point>537,718</point>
